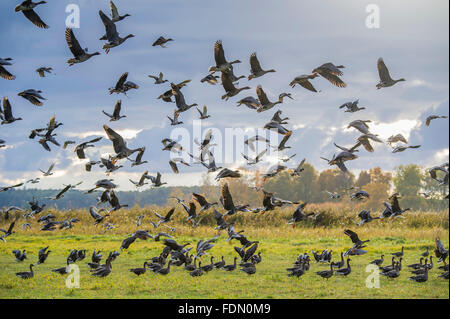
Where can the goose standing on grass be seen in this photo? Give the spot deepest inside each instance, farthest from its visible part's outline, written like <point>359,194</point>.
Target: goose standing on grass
<point>33,96</point>
<point>27,9</point>
<point>115,17</point>
<point>219,56</point>
<point>230,267</point>
<point>6,115</point>
<point>112,35</point>
<point>399,253</point>
<point>41,71</point>
<point>158,79</point>
<point>26,274</point>
<point>303,80</point>
<point>140,271</point>
<point>161,41</point>
<point>229,87</point>
<point>326,274</point>
<point>256,70</point>
<point>385,77</point>
<point>3,72</point>
<point>345,271</point>
<point>422,277</point>
<point>378,262</point>
<point>332,73</point>
<point>116,114</point>
<point>79,54</point>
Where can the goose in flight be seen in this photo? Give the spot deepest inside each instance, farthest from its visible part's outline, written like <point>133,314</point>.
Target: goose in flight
<point>116,114</point>
<point>402,148</point>
<point>26,7</point>
<point>275,125</point>
<point>9,231</point>
<point>364,140</point>
<point>156,180</point>
<point>114,202</point>
<point>229,87</point>
<point>179,99</point>
<point>158,79</point>
<point>211,79</point>
<point>34,180</point>
<point>123,86</point>
<point>257,138</point>
<point>42,70</point>
<point>433,174</point>
<point>174,121</point>
<point>264,101</point>
<point>277,118</point>
<point>303,80</point>
<point>385,77</point>
<point>433,117</point>
<point>171,145</point>
<point>282,145</point>
<point>359,195</point>
<point>333,195</point>
<point>360,125</point>
<point>161,41</point>
<point>228,204</point>
<point>61,193</point>
<point>256,70</point>
<point>396,138</point>
<point>365,217</point>
<point>79,149</point>
<point>340,159</point>
<point>49,170</point>
<point>115,17</point>
<point>300,168</point>
<point>3,72</point>
<point>250,102</point>
<point>167,96</point>
<point>6,114</point>
<point>33,96</point>
<point>138,160</point>
<point>173,164</point>
<point>352,107</point>
<point>141,181</point>
<point>256,160</point>
<point>67,143</point>
<point>299,215</point>
<point>112,36</point>
<point>80,55</point>
<point>204,204</point>
<point>272,171</point>
<point>227,173</point>
<point>110,164</point>
<point>219,56</point>
<point>119,144</point>
<point>203,113</point>
<point>287,159</point>
<point>164,219</point>
<point>332,73</point>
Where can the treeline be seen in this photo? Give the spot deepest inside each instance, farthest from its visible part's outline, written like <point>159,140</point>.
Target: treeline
<point>418,190</point>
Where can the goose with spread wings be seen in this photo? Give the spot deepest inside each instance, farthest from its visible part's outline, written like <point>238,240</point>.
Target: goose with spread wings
<point>332,73</point>
<point>112,35</point>
<point>119,144</point>
<point>6,114</point>
<point>80,55</point>
<point>116,114</point>
<point>219,56</point>
<point>3,72</point>
<point>26,7</point>
<point>229,87</point>
<point>256,70</point>
<point>385,77</point>
<point>79,149</point>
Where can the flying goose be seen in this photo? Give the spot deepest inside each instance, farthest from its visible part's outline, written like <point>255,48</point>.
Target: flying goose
<point>303,80</point>
<point>138,160</point>
<point>256,160</point>
<point>229,87</point>
<point>396,138</point>
<point>42,255</point>
<point>3,72</point>
<point>115,17</point>
<point>96,216</point>
<point>204,204</point>
<point>49,170</point>
<point>298,215</point>
<point>211,79</point>
<point>256,70</point>
<point>219,56</point>
<point>433,117</point>
<point>250,102</point>
<point>158,79</point>
<point>112,35</point>
<point>227,173</point>
<point>79,54</point>
<point>167,96</point>
<point>352,107</point>
<point>20,255</point>
<point>251,141</point>
<point>331,72</point>
<point>123,86</point>
<point>161,41</point>
<point>402,148</point>
<point>365,217</point>
<point>360,125</point>
<point>298,169</point>
<point>171,145</point>
<point>385,77</point>
<point>8,232</point>
<point>27,7</point>
<point>264,101</point>
<point>79,149</point>
<point>7,188</point>
<point>179,99</point>
<point>6,114</point>
<point>442,168</point>
<point>227,202</point>
<point>156,180</point>
<point>33,96</point>
<point>173,164</point>
<point>203,113</point>
<point>116,114</point>
<point>141,181</point>
<point>42,70</point>
<point>364,140</point>
<point>119,144</point>
<point>164,219</point>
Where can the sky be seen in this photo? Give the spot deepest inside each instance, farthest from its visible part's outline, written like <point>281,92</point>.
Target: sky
<point>292,37</point>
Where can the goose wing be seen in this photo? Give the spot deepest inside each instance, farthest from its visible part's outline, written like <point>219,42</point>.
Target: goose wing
<point>383,71</point>
<point>111,31</point>
<point>307,85</point>
<point>227,83</point>
<point>121,81</point>
<point>7,108</point>
<point>262,95</point>
<point>117,108</point>
<point>254,64</point>
<point>34,18</point>
<point>219,54</point>
<point>117,140</point>
<point>5,74</point>
<point>73,43</point>
<point>114,12</point>
<point>353,236</point>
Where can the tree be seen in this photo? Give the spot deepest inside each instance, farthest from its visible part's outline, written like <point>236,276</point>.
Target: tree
<point>408,179</point>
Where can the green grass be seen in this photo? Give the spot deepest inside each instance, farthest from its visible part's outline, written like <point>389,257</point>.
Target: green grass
<point>279,246</point>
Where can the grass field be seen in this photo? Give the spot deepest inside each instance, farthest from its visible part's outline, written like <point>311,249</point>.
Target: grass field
<point>279,245</point>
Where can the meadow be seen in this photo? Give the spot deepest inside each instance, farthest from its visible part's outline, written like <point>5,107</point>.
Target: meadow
<point>279,243</point>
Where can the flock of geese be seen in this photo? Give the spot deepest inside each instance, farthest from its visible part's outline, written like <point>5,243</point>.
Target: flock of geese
<point>173,253</point>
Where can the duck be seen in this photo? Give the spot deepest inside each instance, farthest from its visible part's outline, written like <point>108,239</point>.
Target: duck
<point>112,35</point>
<point>26,7</point>
<point>80,55</point>
<point>26,274</point>
<point>256,70</point>
<point>385,77</point>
